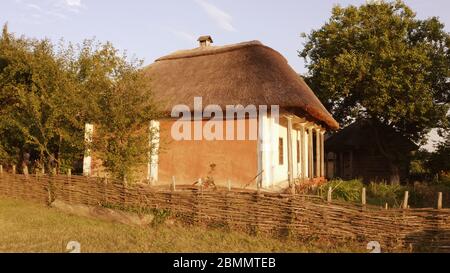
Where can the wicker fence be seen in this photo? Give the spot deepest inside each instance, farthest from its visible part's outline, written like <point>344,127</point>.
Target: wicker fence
<point>296,216</point>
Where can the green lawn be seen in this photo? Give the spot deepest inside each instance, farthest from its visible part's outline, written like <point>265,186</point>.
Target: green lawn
<point>29,227</point>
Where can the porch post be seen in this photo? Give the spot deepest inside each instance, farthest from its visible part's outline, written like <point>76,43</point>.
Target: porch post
<point>310,153</point>
<point>154,151</point>
<point>351,164</point>
<point>318,148</point>
<point>87,159</point>
<point>322,153</point>
<point>303,153</point>
<point>290,153</point>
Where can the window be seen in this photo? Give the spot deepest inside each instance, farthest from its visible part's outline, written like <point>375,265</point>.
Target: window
<point>298,151</point>
<point>280,151</point>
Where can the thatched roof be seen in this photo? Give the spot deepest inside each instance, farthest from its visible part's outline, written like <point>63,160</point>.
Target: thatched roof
<point>360,135</point>
<point>245,73</point>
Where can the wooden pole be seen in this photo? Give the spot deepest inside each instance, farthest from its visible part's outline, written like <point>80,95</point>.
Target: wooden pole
<point>173,187</point>
<point>14,169</point>
<point>439,204</point>
<point>69,188</point>
<point>405,200</point>
<point>25,170</point>
<point>363,197</point>
<point>1,169</point>
<point>289,153</point>
<point>386,206</point>
<point>322,154</point>
<point>317,152</point>
<point>310,154</point>
<point>229,185</point>
<point>329,197</point>
<point>303,150</point>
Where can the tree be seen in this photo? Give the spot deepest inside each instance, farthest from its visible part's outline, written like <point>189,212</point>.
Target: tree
<point>117,99</point>
<point>122,109</point>
<point>379,62</point>
<point>439,161</point>
<point>48,94</point>
<point>36,94</point>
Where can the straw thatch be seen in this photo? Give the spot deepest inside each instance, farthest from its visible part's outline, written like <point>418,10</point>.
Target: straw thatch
<point>246,73</point>
<point>359,135</point>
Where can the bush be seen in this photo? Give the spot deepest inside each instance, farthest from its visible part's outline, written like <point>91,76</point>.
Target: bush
<point>343,190</point>
<point>378,194</point>
<point>381,193</point>
<point>160,216</point>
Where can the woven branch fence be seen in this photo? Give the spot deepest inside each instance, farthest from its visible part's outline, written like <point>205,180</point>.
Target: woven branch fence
<point>299,217</point>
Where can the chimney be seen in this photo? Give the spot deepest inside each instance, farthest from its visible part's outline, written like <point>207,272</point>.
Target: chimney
<point>205,41</point>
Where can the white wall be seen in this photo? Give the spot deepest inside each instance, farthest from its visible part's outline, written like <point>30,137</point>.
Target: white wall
<point>297,164</point>
<point>87,159</point>
<point>281,171</point>
<point>268,151</point>
<point>270,132</point>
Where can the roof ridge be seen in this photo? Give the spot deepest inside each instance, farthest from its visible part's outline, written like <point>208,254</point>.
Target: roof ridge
<point>211,50</point>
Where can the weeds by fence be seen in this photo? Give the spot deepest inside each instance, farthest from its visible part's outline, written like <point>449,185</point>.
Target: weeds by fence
<point>299,217</point>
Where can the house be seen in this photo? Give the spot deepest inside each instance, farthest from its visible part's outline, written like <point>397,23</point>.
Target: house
<point>354,152</point>
<point>234,88</point>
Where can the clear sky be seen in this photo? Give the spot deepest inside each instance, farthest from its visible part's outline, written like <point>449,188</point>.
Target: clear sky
<point>150,29</point>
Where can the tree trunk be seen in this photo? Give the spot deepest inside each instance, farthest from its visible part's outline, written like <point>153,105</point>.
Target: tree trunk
<point>394,173</point>
<point>394,177</point>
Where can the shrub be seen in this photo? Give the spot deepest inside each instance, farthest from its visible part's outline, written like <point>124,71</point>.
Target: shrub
<point>160,216</point>
<point>343,190</point>
<point>382,193</point>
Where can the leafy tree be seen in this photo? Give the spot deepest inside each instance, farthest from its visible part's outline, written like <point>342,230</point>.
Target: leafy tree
<point>36,98</point>
<point>439,161</point>
<point>379,62</point>
<point>122,107</point>
<point>48,94</point>
<point>117,99</point>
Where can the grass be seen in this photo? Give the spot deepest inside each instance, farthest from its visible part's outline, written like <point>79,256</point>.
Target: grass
<point>29,227</point>
<point>343,190</point>
<point>421,194</point>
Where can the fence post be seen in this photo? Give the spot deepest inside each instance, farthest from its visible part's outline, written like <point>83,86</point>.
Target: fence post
<point>439,204</point>
<point>386,206</point>
<point>124,189</point>
<point>14,169</point>
<point>1,169</point>
<point>49,190</point>
<point>200,181</point>
<point>25,170</point>
<point>363,196</point>
<point>173,186</point>
<point>229,185</point>
<point>69,185</point>
<point>329,196</point>
<point>255,223</point>
<point>405,200</point>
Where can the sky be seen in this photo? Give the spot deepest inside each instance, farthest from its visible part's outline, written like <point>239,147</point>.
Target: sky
<point>151,29</point>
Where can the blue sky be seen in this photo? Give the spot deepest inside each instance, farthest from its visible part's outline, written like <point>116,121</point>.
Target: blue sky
<point>150,29</point>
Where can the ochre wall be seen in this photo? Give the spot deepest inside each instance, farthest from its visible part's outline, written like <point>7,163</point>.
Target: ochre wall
<point>189,160</point>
